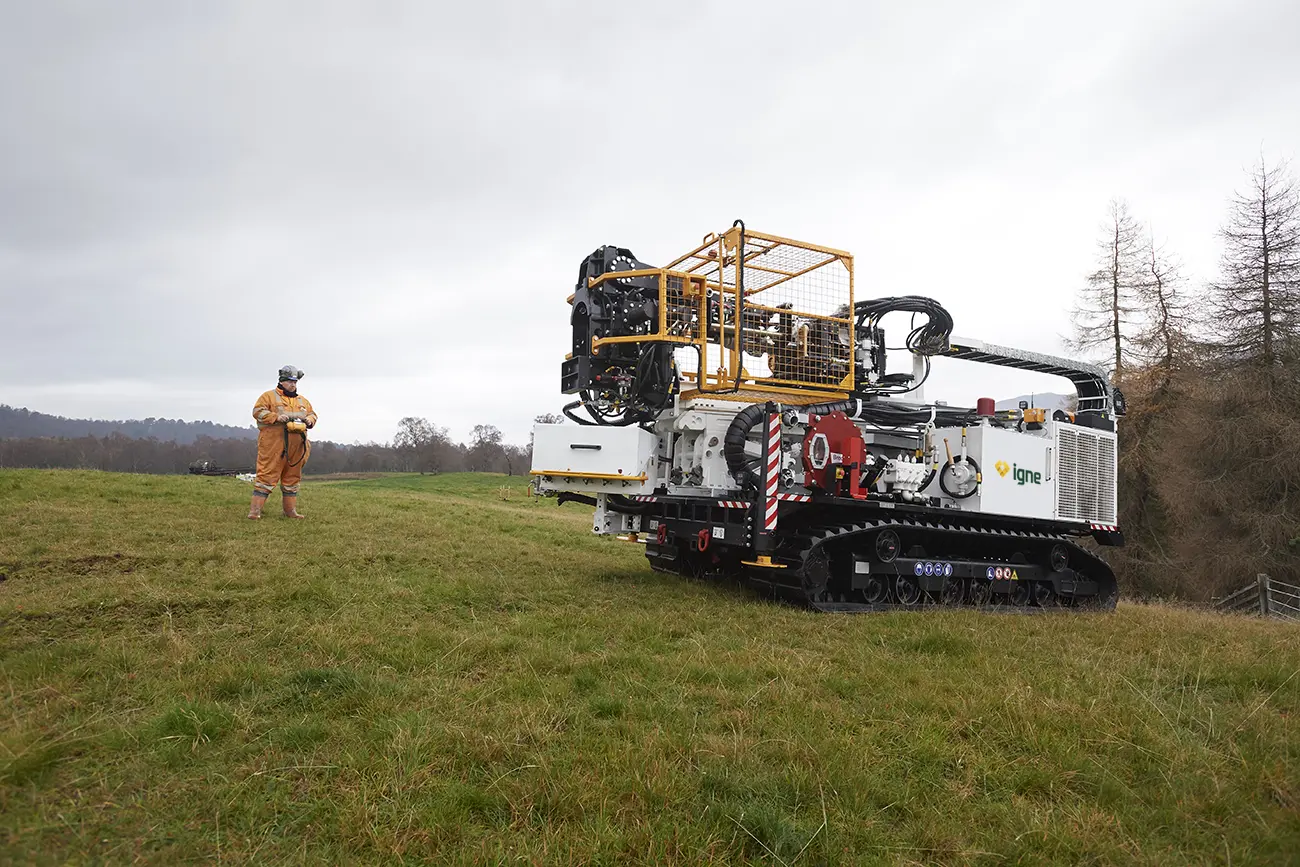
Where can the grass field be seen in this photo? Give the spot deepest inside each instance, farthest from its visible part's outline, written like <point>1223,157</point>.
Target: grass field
<point>441,670</point>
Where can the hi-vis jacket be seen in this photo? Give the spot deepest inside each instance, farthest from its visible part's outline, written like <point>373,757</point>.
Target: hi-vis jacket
<point>272,403</point>
<point>280,453</point>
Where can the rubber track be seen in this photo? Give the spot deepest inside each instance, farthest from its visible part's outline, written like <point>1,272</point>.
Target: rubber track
<point>808,540</point>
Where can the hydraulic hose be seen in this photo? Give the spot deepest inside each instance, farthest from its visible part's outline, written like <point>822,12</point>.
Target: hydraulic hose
<point>614,502</point>
<point>568,411</point>
<point>620,503</point>
<point>568,497</point>
<point>733,445</point>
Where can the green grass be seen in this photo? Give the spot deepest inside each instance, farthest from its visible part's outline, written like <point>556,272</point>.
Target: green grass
<point>441,670</point>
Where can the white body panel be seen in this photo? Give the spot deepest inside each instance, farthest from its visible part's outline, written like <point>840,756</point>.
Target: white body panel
<point>1062,472</point>
<point>1015,467</point>
<point>698,466</point>
<point>594,459</point>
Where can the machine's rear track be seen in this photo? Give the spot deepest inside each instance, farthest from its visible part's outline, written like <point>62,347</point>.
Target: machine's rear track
<point>904,564</point>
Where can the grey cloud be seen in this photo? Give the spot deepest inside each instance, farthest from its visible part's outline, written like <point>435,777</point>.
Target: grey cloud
<point>396,196</point>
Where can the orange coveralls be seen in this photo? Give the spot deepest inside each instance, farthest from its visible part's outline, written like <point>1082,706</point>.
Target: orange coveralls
<point>281,454</point>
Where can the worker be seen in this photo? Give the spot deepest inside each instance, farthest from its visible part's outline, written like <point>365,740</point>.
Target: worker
<point>283,418</point>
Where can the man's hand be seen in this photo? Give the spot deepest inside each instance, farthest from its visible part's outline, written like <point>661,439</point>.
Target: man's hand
<point>282,418</point>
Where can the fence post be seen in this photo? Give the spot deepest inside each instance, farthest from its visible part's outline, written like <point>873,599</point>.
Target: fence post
<point>1262,580</point>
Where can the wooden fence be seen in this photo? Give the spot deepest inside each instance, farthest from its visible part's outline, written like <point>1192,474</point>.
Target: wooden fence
<point>1265,597</point>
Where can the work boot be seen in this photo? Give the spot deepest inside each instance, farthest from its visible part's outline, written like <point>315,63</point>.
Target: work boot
<point>291,506</point>
<point>255,507</point>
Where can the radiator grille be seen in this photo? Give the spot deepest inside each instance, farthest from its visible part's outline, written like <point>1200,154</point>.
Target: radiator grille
<point>1085,475</point>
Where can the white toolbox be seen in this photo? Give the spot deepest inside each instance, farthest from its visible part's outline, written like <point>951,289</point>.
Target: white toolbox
<point>594,458</point>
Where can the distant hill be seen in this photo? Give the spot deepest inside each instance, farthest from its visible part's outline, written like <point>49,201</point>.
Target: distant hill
<point>19,423</point>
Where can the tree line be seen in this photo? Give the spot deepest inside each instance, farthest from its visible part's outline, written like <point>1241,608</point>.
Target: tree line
<point>1209,479</point>
<point>418,446</point>
<point>22,423</point>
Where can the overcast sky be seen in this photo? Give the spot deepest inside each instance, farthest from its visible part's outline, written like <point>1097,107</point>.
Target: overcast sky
<point>396,196</point>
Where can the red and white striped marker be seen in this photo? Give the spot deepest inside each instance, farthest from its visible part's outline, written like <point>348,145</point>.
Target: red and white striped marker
<point>773,469</point>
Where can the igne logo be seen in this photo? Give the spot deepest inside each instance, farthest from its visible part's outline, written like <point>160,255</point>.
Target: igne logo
<point>1021,476</point>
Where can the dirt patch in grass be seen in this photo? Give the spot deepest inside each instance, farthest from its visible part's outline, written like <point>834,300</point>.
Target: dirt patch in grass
<point>79,621</point>
<point>87,565</point>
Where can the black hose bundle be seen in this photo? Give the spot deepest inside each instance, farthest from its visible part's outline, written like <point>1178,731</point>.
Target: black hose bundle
<point>654,382</point>
<point>929,338</point>
<point>881,414</point>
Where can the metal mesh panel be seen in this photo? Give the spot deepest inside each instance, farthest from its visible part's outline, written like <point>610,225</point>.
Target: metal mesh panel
<point>681,318</point>
<point>1085,475</point>
<point>795,315</point>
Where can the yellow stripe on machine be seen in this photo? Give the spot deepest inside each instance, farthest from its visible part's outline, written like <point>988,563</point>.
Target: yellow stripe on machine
<point>569,474</point>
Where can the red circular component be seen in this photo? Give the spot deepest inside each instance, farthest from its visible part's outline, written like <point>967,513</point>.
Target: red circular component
<point>705,535</point>
<point>662,534</point>
<point>985,406</point>
<point>832,441</point>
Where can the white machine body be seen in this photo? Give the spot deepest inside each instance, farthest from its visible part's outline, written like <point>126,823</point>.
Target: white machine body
<point>1059,471</point>
<point>1054,471</point>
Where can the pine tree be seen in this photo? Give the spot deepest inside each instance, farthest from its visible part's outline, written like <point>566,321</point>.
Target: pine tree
<point>1257,299</point>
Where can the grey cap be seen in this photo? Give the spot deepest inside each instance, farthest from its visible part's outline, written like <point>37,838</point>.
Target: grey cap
<point>291,373</point>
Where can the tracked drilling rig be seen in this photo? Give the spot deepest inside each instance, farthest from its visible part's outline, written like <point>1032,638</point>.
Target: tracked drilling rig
<point>735,415</point>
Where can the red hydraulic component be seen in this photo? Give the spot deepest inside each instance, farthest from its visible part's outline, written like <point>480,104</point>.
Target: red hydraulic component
<point>704,537</point>
<point>661,536</point>
<point>834,455</point>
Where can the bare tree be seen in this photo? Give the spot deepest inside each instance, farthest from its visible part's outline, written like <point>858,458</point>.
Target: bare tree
<point>413,432</point>
<point>1106,304</point>
<point>516,458</point>
<point>1162,339</point>
<point>1257,299</point>
<point>422,445</point>
<point>486,453</point>
<point>485,435</point>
